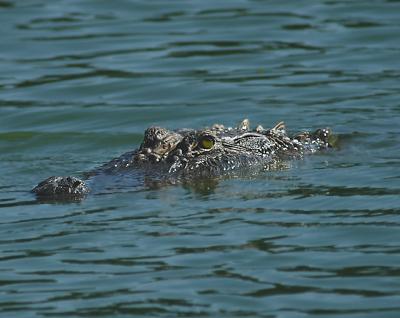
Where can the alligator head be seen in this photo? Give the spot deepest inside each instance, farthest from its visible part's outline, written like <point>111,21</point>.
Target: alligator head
<point>187,154</point>
<point>218,150</point>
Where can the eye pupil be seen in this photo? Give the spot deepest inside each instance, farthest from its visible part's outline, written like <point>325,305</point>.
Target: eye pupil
<point>207,143</point>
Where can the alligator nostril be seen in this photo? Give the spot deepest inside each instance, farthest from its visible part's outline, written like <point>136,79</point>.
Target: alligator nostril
<point>197,153</point>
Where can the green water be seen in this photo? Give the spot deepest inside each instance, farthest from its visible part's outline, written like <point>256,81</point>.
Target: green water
<point>81,80</point>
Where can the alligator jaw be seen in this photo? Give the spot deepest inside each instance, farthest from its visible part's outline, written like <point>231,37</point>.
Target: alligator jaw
<point>189,154</point>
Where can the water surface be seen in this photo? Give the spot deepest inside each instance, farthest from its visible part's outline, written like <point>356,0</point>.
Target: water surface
<point>81,80</point>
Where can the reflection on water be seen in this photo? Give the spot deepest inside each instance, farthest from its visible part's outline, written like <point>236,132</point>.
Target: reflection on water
<point>81,80</point>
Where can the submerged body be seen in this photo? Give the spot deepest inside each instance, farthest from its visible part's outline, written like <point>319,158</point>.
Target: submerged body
<point>188,154</point>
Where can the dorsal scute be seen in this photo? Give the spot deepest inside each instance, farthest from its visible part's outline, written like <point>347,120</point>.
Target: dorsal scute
<point>279,129</point>
<point>244,125</point>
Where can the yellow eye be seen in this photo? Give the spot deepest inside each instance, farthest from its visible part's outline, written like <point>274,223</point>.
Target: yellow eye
<point>207,142</point>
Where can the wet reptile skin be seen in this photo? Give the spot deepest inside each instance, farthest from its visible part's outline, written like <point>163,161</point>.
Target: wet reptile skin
<point>190,154</point>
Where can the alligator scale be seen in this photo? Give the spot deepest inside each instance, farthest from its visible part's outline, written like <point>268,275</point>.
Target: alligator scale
<point>189,154</point>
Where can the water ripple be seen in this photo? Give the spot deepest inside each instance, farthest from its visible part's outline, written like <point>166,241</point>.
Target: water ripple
<point>79,84</point>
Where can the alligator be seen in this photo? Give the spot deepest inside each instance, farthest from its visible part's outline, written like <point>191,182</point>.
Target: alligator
<point>189,154</point>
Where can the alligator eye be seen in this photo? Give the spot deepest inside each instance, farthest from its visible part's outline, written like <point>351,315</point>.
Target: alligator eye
<point>206,142</point>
